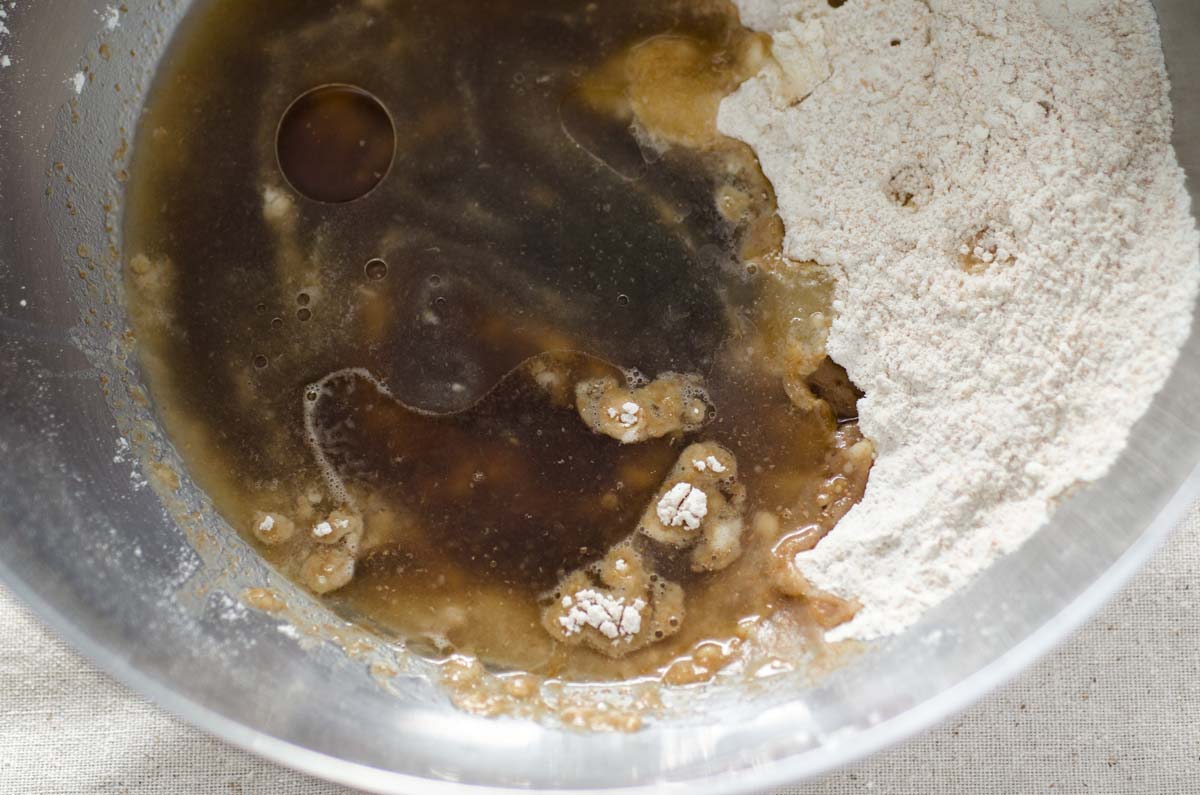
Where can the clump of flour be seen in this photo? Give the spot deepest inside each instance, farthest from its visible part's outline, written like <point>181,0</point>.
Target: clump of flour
<point>993,185</point>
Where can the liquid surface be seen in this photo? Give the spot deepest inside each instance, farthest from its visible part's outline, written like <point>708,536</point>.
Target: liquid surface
<point>405,375</point>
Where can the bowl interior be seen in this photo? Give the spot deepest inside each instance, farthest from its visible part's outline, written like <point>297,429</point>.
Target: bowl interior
<point>146,579</point>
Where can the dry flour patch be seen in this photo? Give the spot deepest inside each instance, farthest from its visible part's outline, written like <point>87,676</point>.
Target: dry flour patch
<point>993,185</point>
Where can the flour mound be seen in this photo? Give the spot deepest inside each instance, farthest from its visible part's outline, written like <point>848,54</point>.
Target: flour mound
<point>992,184</point>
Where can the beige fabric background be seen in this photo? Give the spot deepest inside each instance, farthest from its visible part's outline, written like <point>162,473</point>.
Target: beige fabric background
<point>1116,710</point>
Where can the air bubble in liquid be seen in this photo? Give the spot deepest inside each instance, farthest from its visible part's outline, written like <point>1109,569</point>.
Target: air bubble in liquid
<point>635,379</point>
<point>335,143</point>
<point>376,269</point>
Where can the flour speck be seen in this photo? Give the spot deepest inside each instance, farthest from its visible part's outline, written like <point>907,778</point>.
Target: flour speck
<point>111,16</point>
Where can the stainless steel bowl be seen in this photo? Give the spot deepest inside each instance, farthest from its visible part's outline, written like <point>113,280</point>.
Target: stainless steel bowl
<point>145,580</point>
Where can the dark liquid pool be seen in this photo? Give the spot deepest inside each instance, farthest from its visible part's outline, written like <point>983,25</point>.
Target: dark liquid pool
<point>435,193</point>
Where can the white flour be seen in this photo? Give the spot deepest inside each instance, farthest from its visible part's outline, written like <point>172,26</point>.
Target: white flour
<point>5,32</point>
<point>1034,136</point>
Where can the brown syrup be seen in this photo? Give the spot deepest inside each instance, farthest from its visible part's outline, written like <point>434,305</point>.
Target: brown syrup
<point>541,197</point>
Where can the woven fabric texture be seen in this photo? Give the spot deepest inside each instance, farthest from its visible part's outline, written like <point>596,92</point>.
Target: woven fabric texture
<point>1116,710</point>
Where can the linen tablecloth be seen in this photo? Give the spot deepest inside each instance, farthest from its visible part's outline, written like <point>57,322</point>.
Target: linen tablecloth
<point>1114,710</point>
